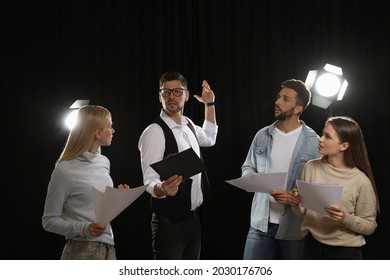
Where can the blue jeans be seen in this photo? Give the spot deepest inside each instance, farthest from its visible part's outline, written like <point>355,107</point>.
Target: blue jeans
<point>264,246</point>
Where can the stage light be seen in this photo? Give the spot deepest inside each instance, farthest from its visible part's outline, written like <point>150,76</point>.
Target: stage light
<point>71,119</point>
<point>326,85</point>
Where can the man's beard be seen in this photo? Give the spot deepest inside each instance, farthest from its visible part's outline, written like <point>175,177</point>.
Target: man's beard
<point>174,111</point>
<point>282,116</point>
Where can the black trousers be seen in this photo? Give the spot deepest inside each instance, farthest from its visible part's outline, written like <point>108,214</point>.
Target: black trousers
<point>176,241</point>
<point>314,250</point>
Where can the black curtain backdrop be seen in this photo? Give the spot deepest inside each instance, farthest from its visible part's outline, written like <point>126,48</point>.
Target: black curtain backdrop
<point>113,53</point>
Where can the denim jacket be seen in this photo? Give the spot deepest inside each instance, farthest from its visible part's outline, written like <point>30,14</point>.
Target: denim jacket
<point>258,161</point>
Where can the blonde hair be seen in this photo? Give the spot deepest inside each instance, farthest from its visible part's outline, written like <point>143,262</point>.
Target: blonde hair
<point>80,138</point>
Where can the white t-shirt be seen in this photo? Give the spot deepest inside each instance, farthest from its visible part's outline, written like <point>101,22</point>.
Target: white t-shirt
<point>282,149</point>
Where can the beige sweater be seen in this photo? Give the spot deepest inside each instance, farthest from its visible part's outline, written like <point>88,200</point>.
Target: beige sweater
<point>357,200</point>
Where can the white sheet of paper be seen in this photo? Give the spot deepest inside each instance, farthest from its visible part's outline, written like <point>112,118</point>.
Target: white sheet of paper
<point>261,182</point>
<point>318,196</point>
<point>113,201</point>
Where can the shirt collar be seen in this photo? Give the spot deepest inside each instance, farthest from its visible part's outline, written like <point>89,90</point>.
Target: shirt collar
<point>171,123</point>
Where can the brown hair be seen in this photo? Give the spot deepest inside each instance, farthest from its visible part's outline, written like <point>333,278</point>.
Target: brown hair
<point>303,92</point>
<point>348,130</point>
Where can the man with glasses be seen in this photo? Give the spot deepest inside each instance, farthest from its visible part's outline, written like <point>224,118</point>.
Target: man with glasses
<point>176,225</point>
<point>284,146</point>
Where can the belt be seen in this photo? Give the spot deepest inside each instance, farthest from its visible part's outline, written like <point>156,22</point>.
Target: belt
<point>89,244</point>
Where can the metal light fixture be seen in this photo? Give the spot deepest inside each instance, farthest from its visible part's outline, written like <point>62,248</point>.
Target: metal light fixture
<point>326,85</point>
<point>71,119</point>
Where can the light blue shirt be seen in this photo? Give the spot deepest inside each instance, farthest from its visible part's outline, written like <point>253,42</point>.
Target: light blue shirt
<point>69,204</point>
<point>258,160</point>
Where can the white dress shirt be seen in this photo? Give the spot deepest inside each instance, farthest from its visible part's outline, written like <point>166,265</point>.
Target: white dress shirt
<point>152,146</point>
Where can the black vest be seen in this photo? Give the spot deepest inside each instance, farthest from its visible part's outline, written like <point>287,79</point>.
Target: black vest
<point>177,207</point>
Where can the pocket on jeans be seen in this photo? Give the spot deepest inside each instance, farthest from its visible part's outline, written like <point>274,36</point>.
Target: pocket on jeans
<point>84,251</point>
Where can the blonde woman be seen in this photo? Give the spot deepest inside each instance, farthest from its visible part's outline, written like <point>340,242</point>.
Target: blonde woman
<point>68,209</point>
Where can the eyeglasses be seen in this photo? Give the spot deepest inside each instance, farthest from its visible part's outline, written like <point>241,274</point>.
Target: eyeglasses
<point>176,91</point>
